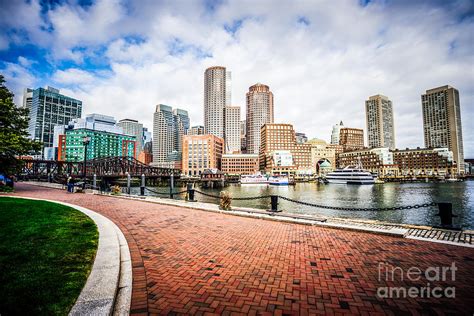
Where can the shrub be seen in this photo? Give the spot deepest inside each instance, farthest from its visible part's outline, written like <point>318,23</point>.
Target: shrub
<point>6,188</point>
<point>116,190</point>
<point>225,201</point>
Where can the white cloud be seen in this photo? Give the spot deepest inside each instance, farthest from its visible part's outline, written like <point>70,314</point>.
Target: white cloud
<point>24,18</point>
<point>25,62</point>
<point>73,76</point>
<point>17,79</point>
<point>320,72</point>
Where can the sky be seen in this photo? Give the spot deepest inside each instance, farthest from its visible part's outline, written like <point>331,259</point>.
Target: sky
<point>321,59</point>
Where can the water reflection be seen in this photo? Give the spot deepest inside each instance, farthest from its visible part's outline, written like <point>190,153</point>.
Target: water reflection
<point>461,194</point>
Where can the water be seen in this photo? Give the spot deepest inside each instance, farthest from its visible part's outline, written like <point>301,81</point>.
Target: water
<point>461,194</point>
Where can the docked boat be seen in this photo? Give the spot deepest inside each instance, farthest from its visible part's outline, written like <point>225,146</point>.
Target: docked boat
<point>253,179</point>
<point>282,180</point>
<point>453,180</point>
<point>350,175</point>
<point>378,181</point>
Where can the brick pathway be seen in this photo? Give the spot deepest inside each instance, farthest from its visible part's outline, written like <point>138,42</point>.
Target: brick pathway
<point>195,262</point>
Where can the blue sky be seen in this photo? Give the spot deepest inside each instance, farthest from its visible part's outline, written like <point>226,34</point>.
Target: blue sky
<point>321,59</point>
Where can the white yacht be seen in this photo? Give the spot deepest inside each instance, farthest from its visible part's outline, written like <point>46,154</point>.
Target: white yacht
<point>253,179</point>
<point>350,175</point>
<point>281,180</point>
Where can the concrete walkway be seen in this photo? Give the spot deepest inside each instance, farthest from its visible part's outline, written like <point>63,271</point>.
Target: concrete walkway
<point>195,262</point>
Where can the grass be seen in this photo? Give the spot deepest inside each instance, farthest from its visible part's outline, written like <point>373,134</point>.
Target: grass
<point>46,254</point>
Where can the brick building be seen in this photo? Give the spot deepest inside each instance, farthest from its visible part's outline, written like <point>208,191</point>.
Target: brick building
<point>351,138</point>
<point>408,163</point>
<point>201,152</point>
<point>246,164</point>
<point>277,138</point>
<point>425,162</point>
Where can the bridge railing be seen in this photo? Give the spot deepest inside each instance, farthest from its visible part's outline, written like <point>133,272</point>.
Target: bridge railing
<point>107,166</point>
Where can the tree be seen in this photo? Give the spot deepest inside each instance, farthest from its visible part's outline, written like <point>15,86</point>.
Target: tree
<point>14,139</point>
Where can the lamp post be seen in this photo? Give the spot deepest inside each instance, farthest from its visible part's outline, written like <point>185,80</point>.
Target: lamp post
<point>85,141</point>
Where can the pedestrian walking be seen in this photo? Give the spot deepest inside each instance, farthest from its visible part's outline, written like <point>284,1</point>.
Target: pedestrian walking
<point>70,185</point>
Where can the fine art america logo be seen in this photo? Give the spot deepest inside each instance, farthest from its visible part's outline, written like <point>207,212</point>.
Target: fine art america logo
<point>429,277</point>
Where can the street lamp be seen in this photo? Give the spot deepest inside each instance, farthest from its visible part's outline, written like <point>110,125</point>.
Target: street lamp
<point>85,141</point>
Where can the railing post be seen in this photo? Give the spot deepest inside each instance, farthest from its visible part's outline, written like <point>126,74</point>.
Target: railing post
<point>190,192</point>
<point>128,183</point>
<point>446,214</point>
<point>142,187</point>
<point>274,202</point>
<point>171,184</point>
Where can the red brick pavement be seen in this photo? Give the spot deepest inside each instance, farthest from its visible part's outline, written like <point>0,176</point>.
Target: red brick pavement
<point>195,262</point>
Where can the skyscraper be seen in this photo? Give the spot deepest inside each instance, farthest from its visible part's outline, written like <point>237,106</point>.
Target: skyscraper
<point>217,94</point>
<point>442,121</point>
<point>301,138</point>
<point>28,98</point>
<point>243,136</point>
<point>169,127</point>
<point>49,108</point>
<point>379,118</point>
<point>336,130</point>
<point>134,128</point>
<point>232,129</point>
<point>259,113</point>
<point>196,130</point>
<point>181,122</point>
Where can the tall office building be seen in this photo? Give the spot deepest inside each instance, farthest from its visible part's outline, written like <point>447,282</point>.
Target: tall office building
<point>217,95</point>
<point>232,129</point>
<point>301,138</point>
<point>379,118</point>
<point>27,98</point>
<point>243,136</point>
<point>196,130</point>
<point>146,156</point>
<point>336,130</point>
<point>351,138</point>
<point>259,113</point>
<point>49,108</point>
<point>181,121</point>
<point>442,121</point>
<point>169,128</point>
<point>133,128</point>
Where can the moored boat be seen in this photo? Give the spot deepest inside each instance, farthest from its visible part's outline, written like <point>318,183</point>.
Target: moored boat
<point>350,175</point>
<point>281,180</point>
<point>253,179</point>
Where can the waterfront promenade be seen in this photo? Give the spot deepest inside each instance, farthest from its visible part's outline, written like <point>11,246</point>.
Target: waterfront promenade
<point>195,262</point>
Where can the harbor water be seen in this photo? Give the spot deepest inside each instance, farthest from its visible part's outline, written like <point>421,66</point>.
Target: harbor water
<point>460,194</point>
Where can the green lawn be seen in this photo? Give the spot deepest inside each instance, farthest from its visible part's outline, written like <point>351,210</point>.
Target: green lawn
<point>46,254</point>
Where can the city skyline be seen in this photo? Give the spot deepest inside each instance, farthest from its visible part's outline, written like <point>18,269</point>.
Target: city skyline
<point>300,74</point>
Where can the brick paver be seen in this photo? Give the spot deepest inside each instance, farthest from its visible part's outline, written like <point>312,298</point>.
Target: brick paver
<point>195,262</point>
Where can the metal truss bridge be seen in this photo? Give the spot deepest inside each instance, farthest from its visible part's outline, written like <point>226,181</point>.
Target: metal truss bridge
<point>110,167</point>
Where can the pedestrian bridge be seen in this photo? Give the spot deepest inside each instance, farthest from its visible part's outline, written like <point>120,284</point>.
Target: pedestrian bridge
<point>113,167</point>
